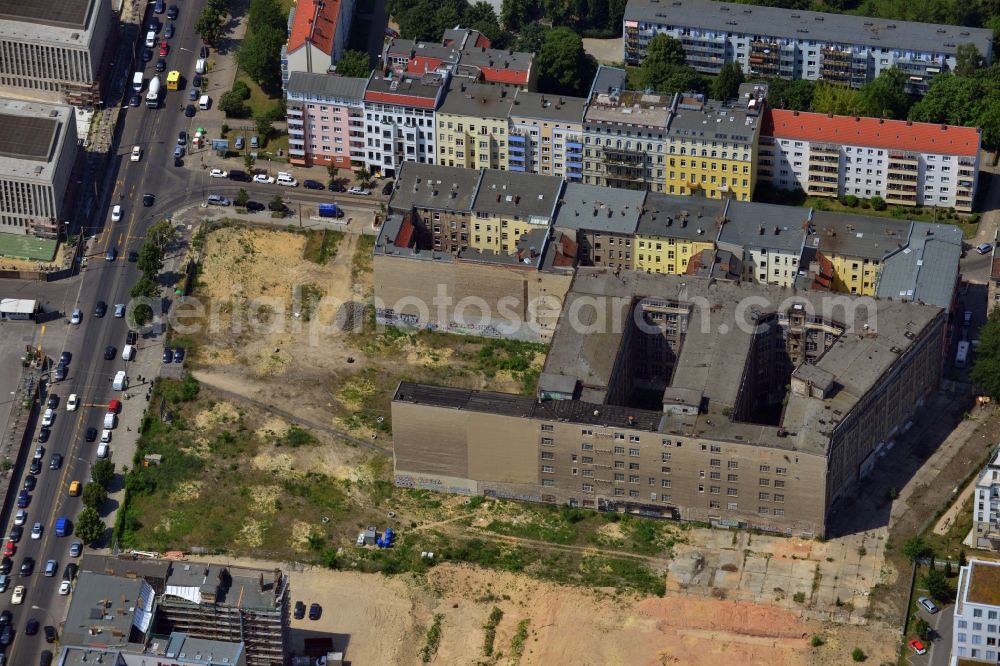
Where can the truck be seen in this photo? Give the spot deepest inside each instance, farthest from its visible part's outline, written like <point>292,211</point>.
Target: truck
<point>962,355</point>
<point>153,95</point>
<point>137,79</point>
<point>62,527</point>
<point>330,210</point>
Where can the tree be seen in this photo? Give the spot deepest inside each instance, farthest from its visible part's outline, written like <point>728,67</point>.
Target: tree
<point>938,587</point>
<point>839,100</point>
<point>482,17</point>
<point>210,24</point>
<point>277,203</point>
<point>792,95</point>
<point>961,558</point>
<point>662,51</point>
<point>531,38</point>
<point>89,526</point>
<point>563,66</point>
<point>150,261</point>
<point>364,177</point>
<point>142,314</point>
<point>923,629</point>
<point>727,84</point>
<point>878,203</point>
<point>103,472</point>
<point>886,96</point>
<point>263,13</point>
<point>664,71</point>
<point>161,234</point>
<point>517,14</point>
<point>94,495</point>
<point>144,287</point>
<point>354,63</point>
<point>231,103</point>
<point>248,160</point>
<point>967,59</point>
<point>986,369</point>
<point>259,56</point>
<point>264,124</point>
<point>242,198</point>
<point>915,548</point>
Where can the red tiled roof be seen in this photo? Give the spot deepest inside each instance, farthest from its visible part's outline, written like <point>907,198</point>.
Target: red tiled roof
<point>873,132</point>
<point>421,64</point>
<point>403,99</point>
<point>504,76</point>
<point>315,24</point>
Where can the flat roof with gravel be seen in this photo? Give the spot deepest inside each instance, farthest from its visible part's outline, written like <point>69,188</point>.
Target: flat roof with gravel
<point>62,13</point>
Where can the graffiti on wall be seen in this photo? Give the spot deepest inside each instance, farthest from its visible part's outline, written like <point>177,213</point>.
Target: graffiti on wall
<point>430,483</point>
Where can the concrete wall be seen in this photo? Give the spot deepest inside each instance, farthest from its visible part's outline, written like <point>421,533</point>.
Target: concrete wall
<point>509,295</point>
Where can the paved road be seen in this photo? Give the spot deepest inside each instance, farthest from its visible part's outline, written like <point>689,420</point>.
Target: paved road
<point>943,625</point>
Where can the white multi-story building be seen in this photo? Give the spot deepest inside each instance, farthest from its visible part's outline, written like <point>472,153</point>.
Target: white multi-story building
<point>399,119</point>
<point>977,614</point>
<point>796,44</point>
<point>546,135</point>
<point>986,507</point>
<point>53,50</point>
<point>766,239</point>
<point>317,36</point>
<point>903,162</point>
<point>37,152</point>
<point>326,119</point>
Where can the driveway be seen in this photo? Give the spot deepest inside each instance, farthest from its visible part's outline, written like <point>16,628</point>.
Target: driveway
<point>943,624</point>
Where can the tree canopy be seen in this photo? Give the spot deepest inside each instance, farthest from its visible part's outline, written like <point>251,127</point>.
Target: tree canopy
<point>986,368</point>
<point>354,63</point>
<point>89,526</point>
<point>563,66</point>
<point>663,68</point>
<point>964,100</point>
<point>886,96</point>
<point>103,472</point>
<point>726,84</point>
<point>260,53</point>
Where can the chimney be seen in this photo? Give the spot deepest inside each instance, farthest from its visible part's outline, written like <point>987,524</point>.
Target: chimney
<point>776,230</point>
<point>795,113</point>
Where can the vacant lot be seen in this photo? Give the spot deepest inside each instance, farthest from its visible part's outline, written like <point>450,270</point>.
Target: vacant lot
<point>287,324</point>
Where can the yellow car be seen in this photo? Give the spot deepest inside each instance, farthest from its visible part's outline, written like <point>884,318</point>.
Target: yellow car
<point>74,489</point>
<point>17,596</point>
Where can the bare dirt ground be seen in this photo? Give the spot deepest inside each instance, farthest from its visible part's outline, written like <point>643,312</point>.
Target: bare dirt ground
<point>606,51</point>
<point>383,620</point>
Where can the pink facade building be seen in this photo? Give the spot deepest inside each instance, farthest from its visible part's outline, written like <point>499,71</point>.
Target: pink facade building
<point>326,123</point>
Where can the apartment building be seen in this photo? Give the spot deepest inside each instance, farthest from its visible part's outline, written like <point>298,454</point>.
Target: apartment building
<point>399,119</point>
<point>767,238</point>
<point>925,268</point>
<point>674,230</point>
<point>977,614</point>
<point>603,221</point>
<point>466,54</point>
<point>545,135</point>
<point>472,125</point>
<point>986,506</point>
<point>326,119</point>
<point>53,50</point>
<point>712,145</point>
<point>317,36</point>
<point>663,396</point>
<point>437,201</point>
<point>903,162</point>
<point>796,44</point>
<point>38,144</point>
<point>509,205</point>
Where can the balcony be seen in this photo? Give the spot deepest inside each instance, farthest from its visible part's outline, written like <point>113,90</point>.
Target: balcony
<point>515,138</point>
<point>574,165</point>
<point>905,198</point>
<point>574,145</point>
<point>902,177</point>
<point>904,169</point>
<point>293,112</point>
<point>515,149</point>
<point>905,158</point>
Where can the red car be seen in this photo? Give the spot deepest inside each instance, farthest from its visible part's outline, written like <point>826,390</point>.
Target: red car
<point>114,406</point>
<point>9,549</point>
<point>918,647</point>
<point>164,48</point>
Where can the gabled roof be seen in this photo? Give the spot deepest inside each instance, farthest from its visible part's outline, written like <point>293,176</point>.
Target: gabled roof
<point>314,21</point>
<point>872,132</point>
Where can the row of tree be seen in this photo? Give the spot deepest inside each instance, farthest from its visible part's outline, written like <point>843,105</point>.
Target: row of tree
<point>89,527</point>
<point>259,55</point>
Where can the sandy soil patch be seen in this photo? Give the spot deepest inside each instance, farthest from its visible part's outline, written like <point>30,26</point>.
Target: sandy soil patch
<point>220,413</point>
<point>187,491</point>
<point>199,448</point>
<point>264,498</point>
<point>252,533</point>
<point>272,428</point>
<point>279,463</point>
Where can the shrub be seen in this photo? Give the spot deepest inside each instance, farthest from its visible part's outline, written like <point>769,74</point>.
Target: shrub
<point>857,654</point>
<point>799,597</point>
<point>816,640</point>
<point>849,200</point>
<point>878,203</point>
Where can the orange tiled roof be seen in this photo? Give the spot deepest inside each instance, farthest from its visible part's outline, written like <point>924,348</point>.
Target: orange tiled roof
<point>871,132</point>
<point>315,22</point>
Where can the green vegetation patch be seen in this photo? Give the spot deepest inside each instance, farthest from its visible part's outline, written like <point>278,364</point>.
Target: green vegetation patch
<point>29,248</point>
<point>321,245</point>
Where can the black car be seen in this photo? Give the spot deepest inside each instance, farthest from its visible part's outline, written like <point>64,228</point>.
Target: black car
<point>56,461</point>
<point>45,659</point>
<point>109,353</point>
<point>31,628</point>
<point>254,206</point>
<point>6,635</point>
<point>30,482</point>
<point>388,188</point>
<point>161,65</point>
<point>204,52</point>
<point>276,207</point>
<point>50,633</point>
<point>111,254</point>
<point>65,358</point>
<point>172,12</point>
<point>154,24</point>
<point>36,468</point>
<point>90,435</point>
<point>53,401</point>
<point>27,566</point>
<point>179,355</point>
<point>147,55</point>
<point>336,186</point>
<point>189,111</point>
<point>70,572</point>
<point>23,498</point>
<point>135,100</point>
<point>196,81</point>
<point>100,309</point>
<point>16,532</point>
<point>169,32</point>
<point>6,616</point>
<point>133,256</point>
<point>182,138</point>
<point>312,185</point>
<point>148,199</point>
<point>178,162</point>
<point>300,610</point>
<point>6,564</point>
<point>168,354</point>
<point>43,435</point>
<point>315,610</point>
<point>131,337</point>
<point>242,176</point>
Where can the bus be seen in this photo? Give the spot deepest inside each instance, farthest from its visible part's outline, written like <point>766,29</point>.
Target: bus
<point>962,355</point>
<point>173,80</point>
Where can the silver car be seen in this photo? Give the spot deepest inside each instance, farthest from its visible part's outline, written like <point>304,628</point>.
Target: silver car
<point>927,604</point>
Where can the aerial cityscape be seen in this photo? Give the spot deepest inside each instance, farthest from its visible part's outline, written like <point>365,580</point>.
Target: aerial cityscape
<point>514,332</point>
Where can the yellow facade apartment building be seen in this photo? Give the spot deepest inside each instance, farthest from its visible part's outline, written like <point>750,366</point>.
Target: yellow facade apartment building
<point>472,126</point>
<point>674,229</point>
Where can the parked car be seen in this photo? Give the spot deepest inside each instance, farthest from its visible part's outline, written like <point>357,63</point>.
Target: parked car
<point>179,355</point>
<point>16,532</point>
<point>30,481</point>
<point>255,207</point>
<point>254,142</point>
<point>337,186</point>
<point>168,355</point>
<point>23,498</point>
<point>300,610</point>
<point>168,32</point>
<point>312,185</point>
<point>172,12</point>
<point>196,81</point>
<point>928,605</point>
<point>918,647</point>
<point>193,94</point>
<point>263,179</point>
<point>241,176</point>
<point>357,189</point>
<point>218,200</point>
<point>147,55</point>
<point>17,597</point>
<point>64,587</point>
<point>48,417</point>
<point>189,111</point>
<point>131,337</point>
<point>387,188</point>
<point>182,138</point>
<point>161,65</point>
<point>65,358</point>
<point>43,435</point>
<point>52,401</point>
<point>218,173</point>
<point>75,549</point>
<point>50,633</point>
<point>239,142</point>
<point>135,100</point>
<point>6,564</point>
<point>76,317</point>
<point>36,468</point>
<point>315,610</point>
<point>203,53</point>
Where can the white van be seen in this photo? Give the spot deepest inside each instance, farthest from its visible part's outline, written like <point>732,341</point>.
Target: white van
<point>137,82</point>
<point>199,66</point>
<point>121,381</point>
<point>128,352</point>
<point>286,180</point>
<point>102,450</point>
<point>110,421</point>
<point>151,39</point>
<point>204,102</point>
